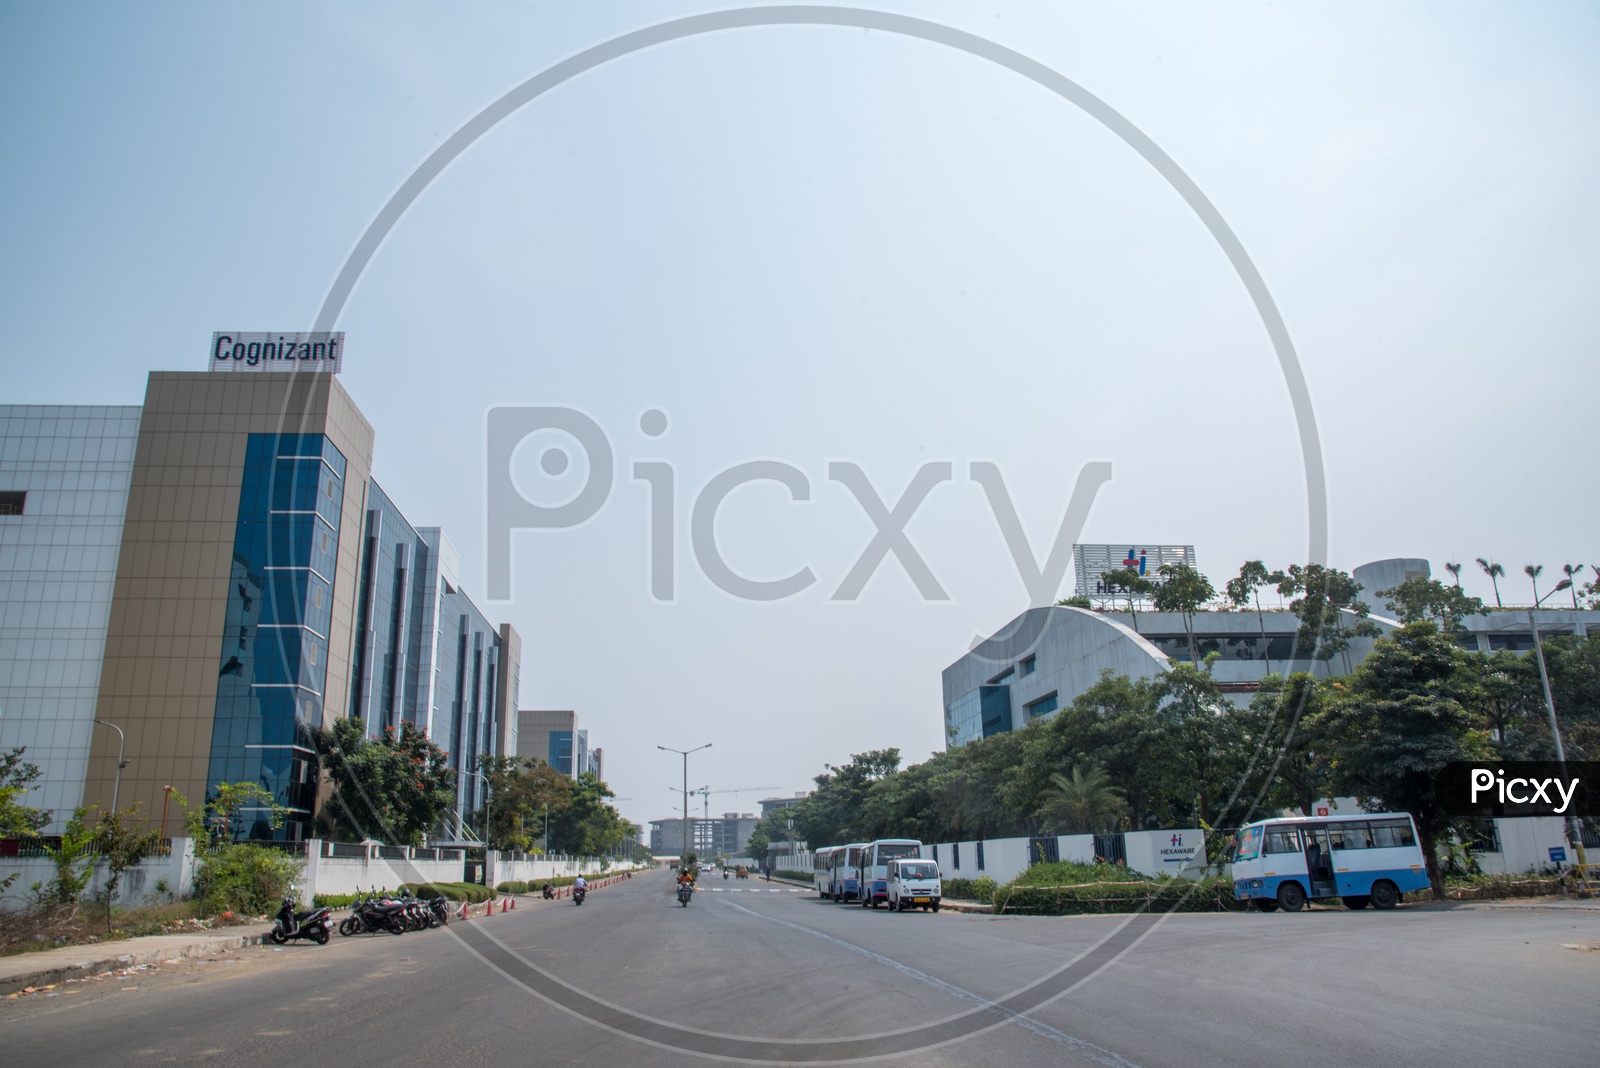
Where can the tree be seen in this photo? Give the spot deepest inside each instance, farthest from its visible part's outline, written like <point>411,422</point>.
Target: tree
<point>588,825</point>
<point>16,779</point>
<point>1418,599</point>
<point>224,804</point>
<point>1290,768</point>
<point>1321,597</point>
<point>120,847</point>
<point>1455,573</point>
<point>1494,571</point>
<point>1397,726</point>
<point>833,811</point>
<point>1082,803</point>
<point>1240,591</point>
<point>519,791</point>
<point>1129,581</point>
<point>1533,571</point>
<point>394,788</point>
<point>71,855</point>
<point>1183,590</point>
<point>1572,577</point>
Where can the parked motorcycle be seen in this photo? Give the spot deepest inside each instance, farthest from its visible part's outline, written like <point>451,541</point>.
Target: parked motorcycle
<point>309,923</point>
<point>374,914</point>
<point>549,892</point>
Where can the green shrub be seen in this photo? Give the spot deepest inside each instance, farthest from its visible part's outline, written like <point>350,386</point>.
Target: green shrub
<point>512,886</point>
<point>1123,895</point>
<point>980,889</point>
<point>245,878</point>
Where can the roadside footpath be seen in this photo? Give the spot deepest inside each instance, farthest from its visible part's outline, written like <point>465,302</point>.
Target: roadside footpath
<point>53,968</point>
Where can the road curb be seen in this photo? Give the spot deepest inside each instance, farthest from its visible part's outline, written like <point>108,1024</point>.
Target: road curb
<point>149,955</point>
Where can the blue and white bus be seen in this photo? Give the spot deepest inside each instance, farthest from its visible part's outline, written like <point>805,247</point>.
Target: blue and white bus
<point>1364,859</point>
<point>875,858</point>
<point>822,867</point>
<point>845,883</point>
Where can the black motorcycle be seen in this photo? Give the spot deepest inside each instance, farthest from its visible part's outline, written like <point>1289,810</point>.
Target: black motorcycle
<point>578,894</point>
<point>440,907</point>
<point>372,914</point>
<point>309,923</point>
<point>685,894</point>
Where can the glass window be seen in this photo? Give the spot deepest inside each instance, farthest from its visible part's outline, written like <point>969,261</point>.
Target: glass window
<point>1003,676</point>
<point>1029,665</point>
<point>1282,840</point>
<point>922,869</point>
<point>1395,834</point>
<point>1350,835</point>
<point>1043,706</point>
<point>12,502</point>
<point>955,855</point>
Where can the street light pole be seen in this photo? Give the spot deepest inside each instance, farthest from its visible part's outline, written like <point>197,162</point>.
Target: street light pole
<point>684,858</point>
<point>122,744</point>
<point>1574,827</point>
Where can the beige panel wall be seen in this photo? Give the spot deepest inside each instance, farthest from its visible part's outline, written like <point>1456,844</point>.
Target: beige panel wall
<point>159,681</point>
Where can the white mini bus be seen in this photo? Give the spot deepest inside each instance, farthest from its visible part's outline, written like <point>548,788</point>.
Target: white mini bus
<point>1362,859</point>
<point>914,884</point>
<point>875,858</point>
<point>822,866</point>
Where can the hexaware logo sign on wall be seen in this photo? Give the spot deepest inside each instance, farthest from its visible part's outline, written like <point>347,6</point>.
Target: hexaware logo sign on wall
<point>1176,852</point>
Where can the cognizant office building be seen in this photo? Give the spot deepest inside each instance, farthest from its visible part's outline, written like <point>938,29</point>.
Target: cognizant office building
<point>213,573</point>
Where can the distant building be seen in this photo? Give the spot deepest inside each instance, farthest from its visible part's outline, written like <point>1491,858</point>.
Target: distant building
<point>768,804</point>
<point>555,738</point>
<point>1045,658</point>
<point>725,836</point>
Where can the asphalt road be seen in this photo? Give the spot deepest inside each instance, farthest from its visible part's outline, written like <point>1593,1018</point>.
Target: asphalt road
<point>755,975</point>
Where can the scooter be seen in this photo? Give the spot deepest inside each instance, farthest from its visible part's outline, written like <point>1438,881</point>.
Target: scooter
<point>549,892</point>
<point>578,894</point>
<point>311,923</point>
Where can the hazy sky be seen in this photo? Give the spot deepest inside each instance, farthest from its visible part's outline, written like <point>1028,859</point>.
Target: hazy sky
<point>816,245</point>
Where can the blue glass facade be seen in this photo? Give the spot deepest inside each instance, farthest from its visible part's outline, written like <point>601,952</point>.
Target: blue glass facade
<point>561,751</point>
<point>273,665</point>
<point>979,713</point>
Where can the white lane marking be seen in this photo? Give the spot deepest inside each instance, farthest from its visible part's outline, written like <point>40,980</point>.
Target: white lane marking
<point>1082,1047</point>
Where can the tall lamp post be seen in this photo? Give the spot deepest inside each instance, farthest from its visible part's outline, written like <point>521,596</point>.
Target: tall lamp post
<point>684,859</point>
<point>122,744</point>
<point>1574,827</point>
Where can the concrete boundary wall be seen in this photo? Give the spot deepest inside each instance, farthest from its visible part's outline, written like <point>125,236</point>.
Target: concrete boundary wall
<point>321,875</point>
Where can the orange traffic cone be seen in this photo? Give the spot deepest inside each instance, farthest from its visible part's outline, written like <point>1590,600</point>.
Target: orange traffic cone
<point>466,911</point>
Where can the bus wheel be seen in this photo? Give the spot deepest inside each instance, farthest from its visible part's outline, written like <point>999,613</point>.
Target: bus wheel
<point>1356,901</point>
<point>1291,898</point>
<point>1385,895</point>
<point>1264,904</point>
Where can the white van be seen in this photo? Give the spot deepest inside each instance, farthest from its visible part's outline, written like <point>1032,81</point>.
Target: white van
<point>914,884</point>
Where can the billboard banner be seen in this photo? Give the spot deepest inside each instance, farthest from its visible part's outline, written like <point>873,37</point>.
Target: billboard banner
<point>1093,561</point>
<point>242,350</point>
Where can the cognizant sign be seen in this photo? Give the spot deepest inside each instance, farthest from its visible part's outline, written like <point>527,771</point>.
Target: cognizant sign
<point>239,351</point>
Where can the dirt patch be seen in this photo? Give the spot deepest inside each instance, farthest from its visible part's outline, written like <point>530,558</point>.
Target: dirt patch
<point>51,927</point>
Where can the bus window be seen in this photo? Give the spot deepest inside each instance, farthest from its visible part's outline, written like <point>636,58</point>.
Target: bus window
<point>1282,840</point>
<point>1349,836</point>
<point>1249,846</point>
<point>1392,834</point>
<point>896,850</point>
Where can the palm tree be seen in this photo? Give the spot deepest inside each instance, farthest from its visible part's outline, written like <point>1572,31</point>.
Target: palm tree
<point>1494,571</point>
<point>1082,803</point>
<point>1572,577</point>
<point>1532,571</point>
<point>1455,573</point>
